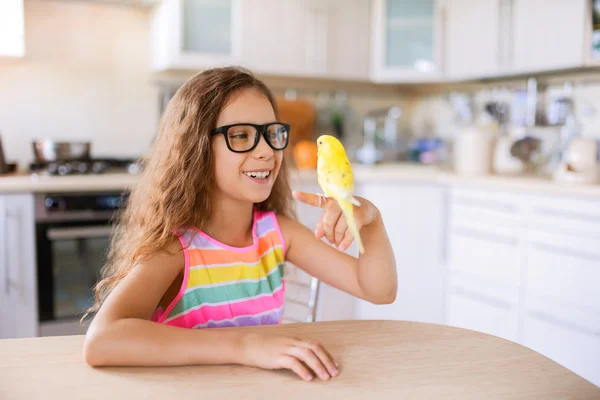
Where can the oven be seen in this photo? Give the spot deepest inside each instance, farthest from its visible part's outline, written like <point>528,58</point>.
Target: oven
<point>72,240</point>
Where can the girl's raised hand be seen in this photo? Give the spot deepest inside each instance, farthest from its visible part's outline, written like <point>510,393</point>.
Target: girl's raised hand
<point>333,225</point>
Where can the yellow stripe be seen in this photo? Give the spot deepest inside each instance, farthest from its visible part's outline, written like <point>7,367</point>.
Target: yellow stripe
<point>207,276</point>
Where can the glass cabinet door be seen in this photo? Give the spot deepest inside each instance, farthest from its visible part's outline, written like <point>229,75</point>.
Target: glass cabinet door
<point>207,27</point>
<point>407,40</point>
<point>409,36</point>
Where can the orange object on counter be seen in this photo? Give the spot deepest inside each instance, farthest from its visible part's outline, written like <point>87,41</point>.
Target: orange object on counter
<point>301,114</point>
<point>305,154</point>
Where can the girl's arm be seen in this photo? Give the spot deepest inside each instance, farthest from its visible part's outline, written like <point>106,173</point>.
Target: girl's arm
<point>121,333</point>
<point>371,277</point>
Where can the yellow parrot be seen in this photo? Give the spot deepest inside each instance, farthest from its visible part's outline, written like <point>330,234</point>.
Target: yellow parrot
<point>335,178</point>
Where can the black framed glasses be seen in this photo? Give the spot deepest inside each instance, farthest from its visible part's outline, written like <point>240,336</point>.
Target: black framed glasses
<point>244,137</point>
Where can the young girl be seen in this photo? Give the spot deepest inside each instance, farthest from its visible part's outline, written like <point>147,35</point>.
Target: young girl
<point>205,234</point>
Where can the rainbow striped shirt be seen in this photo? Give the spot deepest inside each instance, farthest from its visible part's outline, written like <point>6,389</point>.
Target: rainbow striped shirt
<point>226,286</point>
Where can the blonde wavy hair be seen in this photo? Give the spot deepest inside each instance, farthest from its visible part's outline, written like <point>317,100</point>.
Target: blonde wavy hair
<point>177,183</point>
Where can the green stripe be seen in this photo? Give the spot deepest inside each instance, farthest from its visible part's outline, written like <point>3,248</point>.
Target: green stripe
<point>233,291</point>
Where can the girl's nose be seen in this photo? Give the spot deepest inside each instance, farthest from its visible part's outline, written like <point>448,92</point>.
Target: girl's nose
<point>262,150</point>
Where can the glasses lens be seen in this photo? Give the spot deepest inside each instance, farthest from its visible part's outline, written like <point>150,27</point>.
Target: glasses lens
<point>277,134</point>
<point>241,137</point>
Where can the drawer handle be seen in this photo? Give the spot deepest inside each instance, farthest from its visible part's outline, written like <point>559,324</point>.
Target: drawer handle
<point>486,205</point>
<point>566,252</point>
<point>542,316</point>
<point>566,214</point>
<point>480,235</point>
<point>482,298</point>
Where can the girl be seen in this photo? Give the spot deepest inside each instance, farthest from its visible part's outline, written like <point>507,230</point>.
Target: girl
<point>205,234</point>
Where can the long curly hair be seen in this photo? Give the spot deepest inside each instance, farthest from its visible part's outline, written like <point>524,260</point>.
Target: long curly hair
<point>177,183</point>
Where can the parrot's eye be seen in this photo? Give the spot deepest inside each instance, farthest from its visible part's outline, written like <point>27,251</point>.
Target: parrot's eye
<point>320,142</point>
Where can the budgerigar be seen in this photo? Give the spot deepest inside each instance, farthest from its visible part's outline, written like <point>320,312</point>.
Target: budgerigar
<point>336,179</point>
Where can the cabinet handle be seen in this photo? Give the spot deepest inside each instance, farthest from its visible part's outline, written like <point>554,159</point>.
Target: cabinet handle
<point>8,282</point>
<point>542,316</point>
<point>485,236</point>
<point>565,252</point>
<point>482,298</point>
<point>543,211</point>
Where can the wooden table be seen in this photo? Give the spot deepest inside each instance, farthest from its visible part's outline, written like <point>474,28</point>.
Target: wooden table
<point>378,359</point>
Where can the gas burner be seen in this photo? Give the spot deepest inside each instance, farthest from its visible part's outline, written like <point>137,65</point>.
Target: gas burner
<point>86,167</point>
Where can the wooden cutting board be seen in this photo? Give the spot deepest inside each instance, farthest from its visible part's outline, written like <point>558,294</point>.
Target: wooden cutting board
<point>302,117</point>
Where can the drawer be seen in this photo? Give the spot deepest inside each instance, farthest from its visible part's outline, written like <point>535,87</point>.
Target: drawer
<point>486,206</point>
<point>474,310</point>
<point>489,252</point>
<point>570,336</point>
<point>565,214</point>
<point>564,267</point>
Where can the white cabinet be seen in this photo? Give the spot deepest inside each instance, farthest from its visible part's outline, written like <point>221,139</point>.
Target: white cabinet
<point>18,299</point>
<point>327,38</point>
<point>547,34</point>
<point>12,35</point>
<point>284,37</point>
<point>196,34</point>
<point>525,268</point>
<point>472,45</point>
<point>414,219</point>
<point>406,40</point>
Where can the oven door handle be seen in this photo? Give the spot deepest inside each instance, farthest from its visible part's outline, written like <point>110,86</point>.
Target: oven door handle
<point>79,232</point>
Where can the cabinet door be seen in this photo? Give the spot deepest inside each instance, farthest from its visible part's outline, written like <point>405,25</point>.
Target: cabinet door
<point>18,311</point>
<point>348,39</point>
<point>565,333</point>
<point>483,306</point>
<point>12,39</point>
<point>192,34</point>
<point>406,42</point>
<point>472,38</point>
<point>414,220</point>
<point>547,34</point>
<point>284,37</point>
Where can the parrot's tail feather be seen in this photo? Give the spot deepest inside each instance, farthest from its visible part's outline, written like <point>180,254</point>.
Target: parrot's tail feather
<point>349,214</point>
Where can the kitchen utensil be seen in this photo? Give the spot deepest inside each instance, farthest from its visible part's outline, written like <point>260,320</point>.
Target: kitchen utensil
<point>526,148</point>
<point>48,150</point>
<point>3,163</point>
<point>580,162</point>
<point>473,149</point>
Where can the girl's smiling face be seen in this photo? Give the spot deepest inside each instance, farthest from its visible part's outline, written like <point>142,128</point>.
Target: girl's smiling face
<point>249,176</point>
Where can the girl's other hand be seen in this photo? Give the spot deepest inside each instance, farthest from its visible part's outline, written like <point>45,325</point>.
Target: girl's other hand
<point>278,352</point>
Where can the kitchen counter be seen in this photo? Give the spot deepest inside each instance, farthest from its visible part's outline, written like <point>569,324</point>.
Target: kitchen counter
<point>424,174</point>
<point>400,173</point>
<point>377,360</point>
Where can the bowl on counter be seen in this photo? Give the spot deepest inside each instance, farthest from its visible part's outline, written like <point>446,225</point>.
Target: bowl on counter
<point>48,150</point>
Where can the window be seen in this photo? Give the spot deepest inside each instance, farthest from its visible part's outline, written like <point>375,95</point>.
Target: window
<point>12,28</point>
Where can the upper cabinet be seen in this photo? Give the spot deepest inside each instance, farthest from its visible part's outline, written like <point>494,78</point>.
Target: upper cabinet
<point>406,40</point>
<point>388,41</point>
<point>547,34</point>
<point>472,38</point>
<point>12,36</point>
<point>195,34</point>
<point>326,38</point>
<point>504,37</point>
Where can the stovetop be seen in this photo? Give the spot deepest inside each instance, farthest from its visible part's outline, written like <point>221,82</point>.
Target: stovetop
<point>92,166</point>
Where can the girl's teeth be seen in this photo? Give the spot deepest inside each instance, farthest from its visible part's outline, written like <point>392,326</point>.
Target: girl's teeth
<point>259,175</point>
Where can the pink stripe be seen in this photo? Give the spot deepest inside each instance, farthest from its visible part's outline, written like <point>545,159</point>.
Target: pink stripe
<point>276,223</point>
<point>186,273</point>
<point>228,311</point>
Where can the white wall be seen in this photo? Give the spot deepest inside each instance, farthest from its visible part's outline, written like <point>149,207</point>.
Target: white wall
<point>85,75</point>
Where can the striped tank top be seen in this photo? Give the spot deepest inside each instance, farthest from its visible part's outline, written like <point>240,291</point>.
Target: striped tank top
<point>226,286</point>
